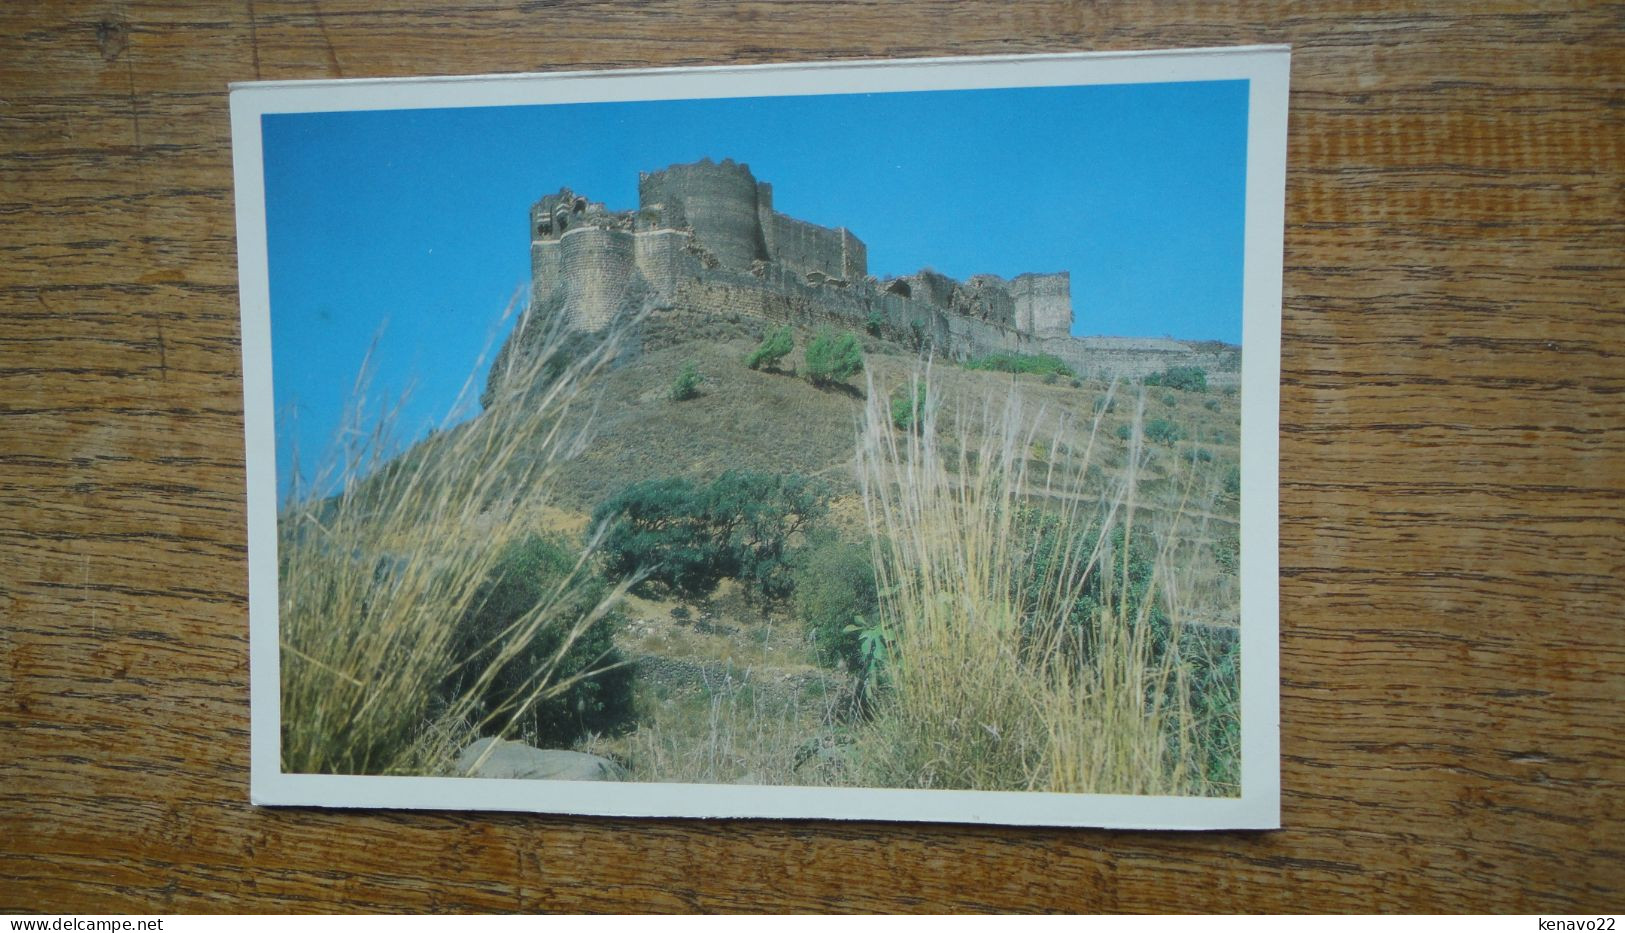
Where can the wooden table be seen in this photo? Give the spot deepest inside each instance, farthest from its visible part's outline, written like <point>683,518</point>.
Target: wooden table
<point>1452,476</point>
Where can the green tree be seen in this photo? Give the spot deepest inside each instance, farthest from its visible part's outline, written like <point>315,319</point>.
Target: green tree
<point>833,358</point>
<point>529,577</point>
<point>773,348</point>
<point>689,537</point>
<point>1163,431</point>
<point>1187,378</point>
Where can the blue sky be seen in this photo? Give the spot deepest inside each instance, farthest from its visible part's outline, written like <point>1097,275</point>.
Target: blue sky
<point>412,225</point>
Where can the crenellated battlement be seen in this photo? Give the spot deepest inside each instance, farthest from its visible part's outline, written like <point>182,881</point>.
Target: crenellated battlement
<point>705,236</point>
<point>728,217</point>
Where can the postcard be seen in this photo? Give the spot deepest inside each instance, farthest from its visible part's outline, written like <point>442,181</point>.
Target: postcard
<point>888,440</point>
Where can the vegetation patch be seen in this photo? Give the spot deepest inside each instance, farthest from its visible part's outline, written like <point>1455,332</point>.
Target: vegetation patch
<point>908,407</point>
<point>540,678</point>
<point>833,358</point>
<point>690,536</point>
<point>773,348</point>
<point>1163,430</point>
<point>836,597</point>
<point>1188,378</point>
<point>1035,364</point>
<point>687,383</point>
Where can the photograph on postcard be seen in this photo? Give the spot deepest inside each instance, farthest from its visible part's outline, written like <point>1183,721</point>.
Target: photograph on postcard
<point>870,439</point>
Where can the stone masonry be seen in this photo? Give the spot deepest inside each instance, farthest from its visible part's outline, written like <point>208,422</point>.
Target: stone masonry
<point>705,237</point>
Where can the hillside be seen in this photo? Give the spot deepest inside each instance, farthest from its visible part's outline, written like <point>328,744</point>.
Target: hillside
<point>731,687</point>
<point>774,422</point>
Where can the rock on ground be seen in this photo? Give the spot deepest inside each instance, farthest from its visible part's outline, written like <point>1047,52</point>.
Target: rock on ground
<point>518,760</point>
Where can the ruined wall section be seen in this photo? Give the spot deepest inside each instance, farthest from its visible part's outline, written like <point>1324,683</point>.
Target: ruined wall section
<point>1043,304</point>
<point>804,247</point>
<point>784,296</point>
<point>718,201</point>
<point>1137,357</point>
<point>767,221</point>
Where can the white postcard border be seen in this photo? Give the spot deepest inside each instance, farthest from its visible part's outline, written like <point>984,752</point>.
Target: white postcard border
<point>1258,807</point>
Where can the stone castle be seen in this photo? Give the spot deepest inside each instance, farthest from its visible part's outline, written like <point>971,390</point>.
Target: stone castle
<point>705,238</point>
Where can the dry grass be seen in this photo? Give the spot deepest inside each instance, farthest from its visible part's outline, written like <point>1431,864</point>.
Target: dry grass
<point>375,577</point>
<point>735,726</point>
<point>985,685</point>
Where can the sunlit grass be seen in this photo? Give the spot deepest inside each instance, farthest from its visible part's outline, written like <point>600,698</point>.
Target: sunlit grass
<point>382,557</point>
<point>1008,667</point>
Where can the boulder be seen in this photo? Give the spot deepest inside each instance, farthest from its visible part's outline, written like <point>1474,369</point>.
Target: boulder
<point>518,760</point>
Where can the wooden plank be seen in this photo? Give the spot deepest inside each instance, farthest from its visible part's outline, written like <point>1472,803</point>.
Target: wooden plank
<point>1453,475</point>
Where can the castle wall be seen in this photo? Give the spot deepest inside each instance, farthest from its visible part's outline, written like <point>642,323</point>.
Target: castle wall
<point>598,268</point>
<point>767,221</point>
<point>664,259</point>
<point>593,266</point>
<point>719,202</point>
<point>931,287</point>
<point>805,247</point>
<point>990,299</point>
<point>854,257</point>
<point>1138,357</point>
<point>784,297</point>
<point>1043,304</point>
<point>545,271</point>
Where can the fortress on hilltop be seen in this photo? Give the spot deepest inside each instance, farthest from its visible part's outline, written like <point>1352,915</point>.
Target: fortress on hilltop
<point>705,238</point>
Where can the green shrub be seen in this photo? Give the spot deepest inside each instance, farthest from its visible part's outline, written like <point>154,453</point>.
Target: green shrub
<point>833,358</point>
<point>687,384</point>
<point>1211,404</point>
<point>835,595</point>
<point>1203,455</point>
<point>874,323</point>
<point>773,348</point>
<point>1102,403</point>
<point>527,576</point>
<point>1188,378</point>
<point>1213,663</point>
<point>690,537</point>
<point>1125,431</point>
<point>908,410</point>
<point>1232,483</point>
<point>1039,364</point>
<point>1227,553</point>
<point>1163,431</point>
<point>1170,399</point>
<point>1120,585</point>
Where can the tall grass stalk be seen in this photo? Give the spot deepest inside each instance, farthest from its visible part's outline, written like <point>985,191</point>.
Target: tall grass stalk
<point>738,728</point>
<point>986,685</point>
<point>384,554</point>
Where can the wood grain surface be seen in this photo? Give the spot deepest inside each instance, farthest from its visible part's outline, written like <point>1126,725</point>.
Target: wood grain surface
<point>1452,475</point>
